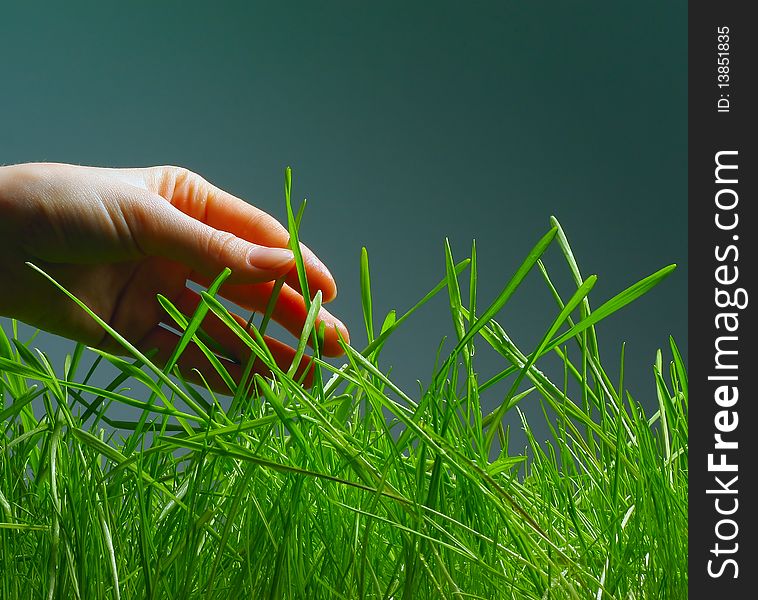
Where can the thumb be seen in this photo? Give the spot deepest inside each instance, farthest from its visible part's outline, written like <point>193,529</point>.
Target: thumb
<point>170,233</point>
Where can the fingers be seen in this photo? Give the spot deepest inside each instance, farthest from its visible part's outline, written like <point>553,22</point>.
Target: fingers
<point>166,231</point>
<point>289,311</point>
<point>316,274</point>
<point>193,359</point>
<point>221,211</point>
<point>188,301</point>
<point>164,341</point>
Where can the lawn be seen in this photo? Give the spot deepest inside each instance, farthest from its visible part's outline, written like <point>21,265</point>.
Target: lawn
<point>353,488</point>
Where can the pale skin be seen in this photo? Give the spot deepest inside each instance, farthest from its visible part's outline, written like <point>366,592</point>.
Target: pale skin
<point>117,237</point>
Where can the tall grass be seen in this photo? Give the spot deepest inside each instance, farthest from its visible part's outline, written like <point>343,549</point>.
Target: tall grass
<point>354,488</point>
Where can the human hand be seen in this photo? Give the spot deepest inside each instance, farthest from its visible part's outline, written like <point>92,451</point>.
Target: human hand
<point>117,237</point>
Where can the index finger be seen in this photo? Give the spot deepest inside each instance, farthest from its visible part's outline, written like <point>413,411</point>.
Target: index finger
<point>203,201</point>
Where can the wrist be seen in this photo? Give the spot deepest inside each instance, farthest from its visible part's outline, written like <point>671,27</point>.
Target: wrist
<point>12,179</point>
<point>11,260</point>
<point>6,175</point>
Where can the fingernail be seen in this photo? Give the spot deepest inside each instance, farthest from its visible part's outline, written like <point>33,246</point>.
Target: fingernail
<point>269,259</point>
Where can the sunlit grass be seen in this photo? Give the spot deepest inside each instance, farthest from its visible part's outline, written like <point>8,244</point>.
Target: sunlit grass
<point>354,488</point>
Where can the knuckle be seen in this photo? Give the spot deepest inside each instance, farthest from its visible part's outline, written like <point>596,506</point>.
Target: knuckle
<point>187,190</point>
<point>177,179</point>
<point>219,243</point>
<point>255,222</point>
<point>179,174</point>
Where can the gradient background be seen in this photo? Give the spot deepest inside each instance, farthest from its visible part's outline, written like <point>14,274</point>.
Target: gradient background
<point>404,123</point>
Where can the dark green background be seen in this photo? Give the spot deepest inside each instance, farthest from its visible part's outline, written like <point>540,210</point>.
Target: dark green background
<point>404,123</point>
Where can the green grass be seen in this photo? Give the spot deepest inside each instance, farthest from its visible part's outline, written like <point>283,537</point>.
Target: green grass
<point>354,488</point>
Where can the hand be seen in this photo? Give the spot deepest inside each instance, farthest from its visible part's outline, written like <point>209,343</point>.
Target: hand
<point>117,237</point>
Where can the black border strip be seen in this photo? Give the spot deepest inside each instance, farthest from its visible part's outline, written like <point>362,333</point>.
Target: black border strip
<point>728,127</point>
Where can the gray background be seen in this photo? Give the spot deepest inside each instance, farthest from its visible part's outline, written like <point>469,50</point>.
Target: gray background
<point>404,123</point>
